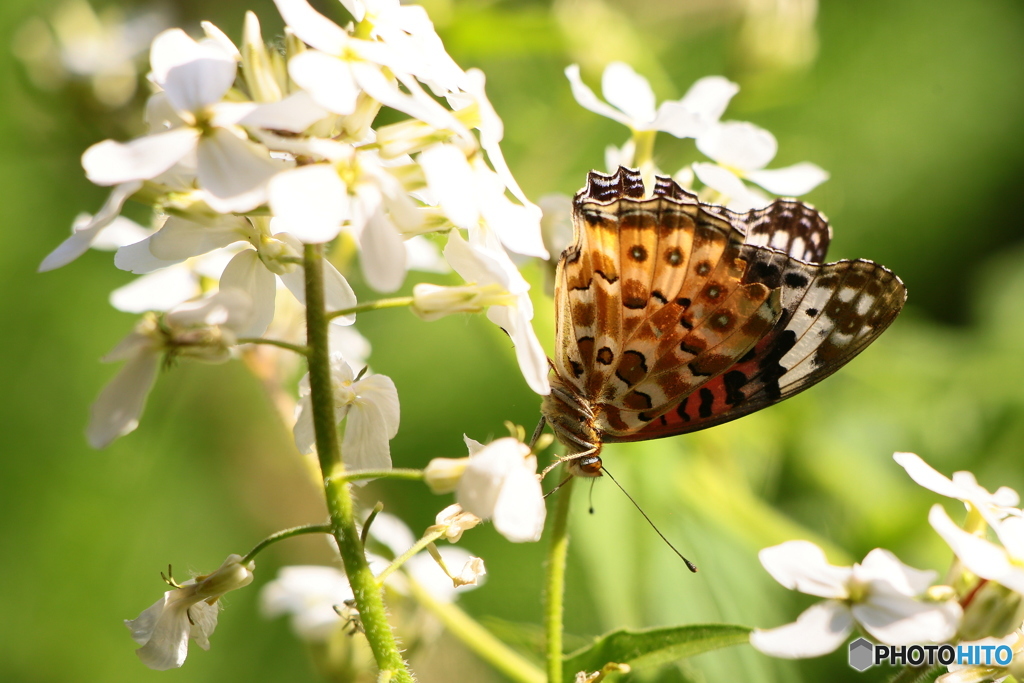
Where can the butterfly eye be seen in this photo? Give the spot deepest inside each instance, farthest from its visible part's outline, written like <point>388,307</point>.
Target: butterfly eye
<point>589,466</point>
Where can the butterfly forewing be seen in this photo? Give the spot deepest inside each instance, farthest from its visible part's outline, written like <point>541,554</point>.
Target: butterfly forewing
<point>675,315</point>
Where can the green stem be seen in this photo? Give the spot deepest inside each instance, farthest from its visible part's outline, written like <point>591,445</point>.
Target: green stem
<point>372,306</point>
<point>286,533</point>
<point>367,594</point>
<point>301,350</point>
<point>643,142</point>
<point>554,596</point>
<point>397,473</point>
<point>478,639</point>
<point>404,557</point>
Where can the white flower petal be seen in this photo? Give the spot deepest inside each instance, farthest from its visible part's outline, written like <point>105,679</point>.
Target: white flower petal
<point>117,409</point>
<point>204,620</point>
<point>295,113</point>
<point>802,566</point>
<point>979,555</point>
<point>449,175</point>
<point>819,630</point>
<point>311,27</point>
<point>309,202</point>
<point>629,91</point>
<point>709,97</point>
<point>738,144</point>
<point>533,362</point>
<point>86,232</point>
<point>234,172</point>
<point>247,273</point>
<point>925,475</point>
<point>160,290</point>
<point>739,197</point>
<point>180,238</point>
<point>111,162</point>
<point>519,510</point>
<point>305,436</point>
<point>328,80</point>
<point>485,474</point>
<point>423,255</point>
<point>166,643</point>
<point>118,233</point>
<point>192,74</point>
<point>366,445</point>
<point>897,619</point>
<point>588,100</point>
<point>676,119</point>
<point>883,566</point>
<point>791,181</point>
<point>383,254</point>
<point>137,258</point>
<point>309,593</point>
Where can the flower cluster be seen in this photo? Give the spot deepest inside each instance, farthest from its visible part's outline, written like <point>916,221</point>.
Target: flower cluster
<point>739,151</point>
<point>252,154</point>
<point>981,602</point>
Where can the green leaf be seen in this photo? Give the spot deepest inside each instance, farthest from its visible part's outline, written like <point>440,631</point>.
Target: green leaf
<point>653,647</point>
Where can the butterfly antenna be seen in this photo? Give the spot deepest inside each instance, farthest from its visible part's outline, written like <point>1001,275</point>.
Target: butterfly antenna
<point>689,565</point>
<point>592,482</point>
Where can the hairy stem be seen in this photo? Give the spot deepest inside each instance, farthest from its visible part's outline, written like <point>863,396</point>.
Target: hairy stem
<point>367,594</point>
<point>554,595</point>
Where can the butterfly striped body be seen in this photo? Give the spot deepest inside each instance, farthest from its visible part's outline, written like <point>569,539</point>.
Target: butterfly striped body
<point>674,315</point>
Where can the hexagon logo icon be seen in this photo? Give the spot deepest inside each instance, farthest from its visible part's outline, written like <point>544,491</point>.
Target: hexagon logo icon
<point>862,654</point>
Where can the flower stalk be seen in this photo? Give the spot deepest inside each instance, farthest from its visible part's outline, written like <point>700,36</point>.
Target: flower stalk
<point>367,593</point>
<point>396,302</point>
<point>558,553</point>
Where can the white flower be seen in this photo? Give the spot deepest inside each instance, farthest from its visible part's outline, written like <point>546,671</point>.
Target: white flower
<point>454,521</point>
<point>188,611</point>
<point>482,261</point>
<point>309,593</point>
<point>190,121</point>
<point>1003,564</point>
<point>426,571</point>
<point>358,191</point>
<point>634,102</point>
<point>472,196</point>
<point>204,330</point>
<point>963,486</point>
<point>881,594</point>
<point>254,271</point>
<point>341,67</point>
<point>500,483</point>
<point>408,28</point>
<point>371,406</point>
<point>742,150</point>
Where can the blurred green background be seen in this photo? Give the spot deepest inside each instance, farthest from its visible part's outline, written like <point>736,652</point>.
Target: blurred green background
<point>913,106</point>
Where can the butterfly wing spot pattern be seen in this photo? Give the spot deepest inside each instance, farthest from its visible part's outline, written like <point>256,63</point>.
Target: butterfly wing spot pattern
<point>673,315</point>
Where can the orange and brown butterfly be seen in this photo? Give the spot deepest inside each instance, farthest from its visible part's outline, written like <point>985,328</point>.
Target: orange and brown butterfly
<point>673,315</point>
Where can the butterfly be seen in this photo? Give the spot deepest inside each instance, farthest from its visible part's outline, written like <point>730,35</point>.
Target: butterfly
<point>673,315</point>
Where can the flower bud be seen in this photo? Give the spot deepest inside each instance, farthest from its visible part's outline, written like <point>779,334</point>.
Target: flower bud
<point>431,302</point>
<point>443,474</point>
